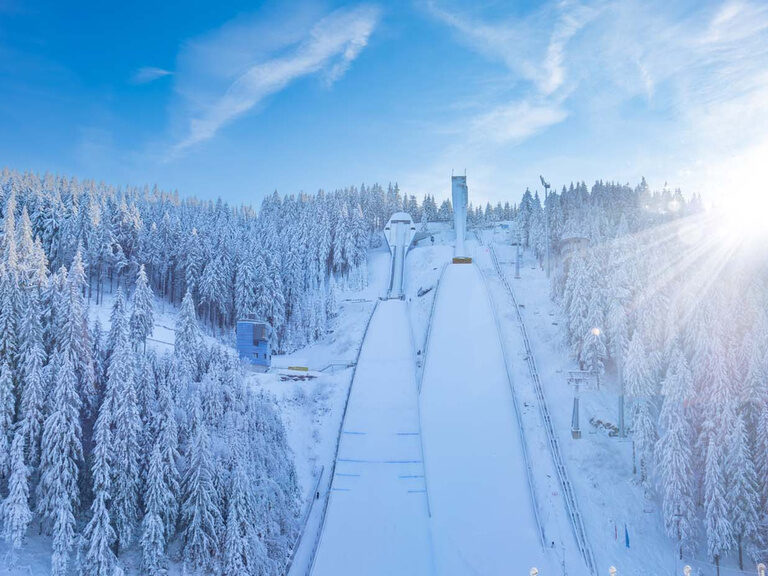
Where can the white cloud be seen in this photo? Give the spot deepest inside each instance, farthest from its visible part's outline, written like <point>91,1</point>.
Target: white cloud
<point>687,86</point>
<point>533,48</point>
<point>515,122</point>
<point>149,74</point>
<point>245,74</point>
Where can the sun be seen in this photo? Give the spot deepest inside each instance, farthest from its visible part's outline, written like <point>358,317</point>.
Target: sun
<point>745,216</point>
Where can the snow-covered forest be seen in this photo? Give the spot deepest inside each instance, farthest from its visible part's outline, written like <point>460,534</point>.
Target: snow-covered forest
<point>284,263</point>
<point>662,295</point>
<point>109,449</point>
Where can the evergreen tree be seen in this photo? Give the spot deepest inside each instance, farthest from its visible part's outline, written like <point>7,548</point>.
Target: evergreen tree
<point>200,516</point>
<point>153,536</point>
<point>168,440</point>
<point>189,340</point>
<point>244,554</point>
<point>142,310</point>
<point>742,496</point>
<point>14,510</point>
<point>121,395</point>
<point>99,536</point>
<point>35,377</point>
<point>593,351</point>
<point>639,387</point>
<point>61,453</point>
<point>674,452</point>
<point>719,529</point>
<point>7,409</point>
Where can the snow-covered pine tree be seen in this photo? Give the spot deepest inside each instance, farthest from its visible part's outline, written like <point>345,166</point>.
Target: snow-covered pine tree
<point>189,340</point>
<point>126,422</point>
<point>243,553</point>
<point>245,287</point>
<point>200,517</point>
<point>142,311</point>
<point>7,410</point>
<point>99,536</point>
<point>34,377</point>
<point>742,497</point>
<point>61,454</point>
<point>673,454</point>
<point>153,530</point>
<point>15,514</point>
<point>593,351</point>
<point>718,525</point>
<point>168,440</point>
<point>640,387</point>
<point>118,322</point>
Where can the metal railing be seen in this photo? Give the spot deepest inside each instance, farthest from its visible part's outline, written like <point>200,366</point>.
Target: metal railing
<point>318,537</point>
<point>305,519</point>
<point>574,515</point>
<point>423,363</point>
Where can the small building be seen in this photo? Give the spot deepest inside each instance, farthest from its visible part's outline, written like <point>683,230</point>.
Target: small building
<point>253,342</point>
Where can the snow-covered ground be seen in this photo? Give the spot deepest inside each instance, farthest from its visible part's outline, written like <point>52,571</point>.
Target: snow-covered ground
<point>482,516</point>
<point>378,515</point>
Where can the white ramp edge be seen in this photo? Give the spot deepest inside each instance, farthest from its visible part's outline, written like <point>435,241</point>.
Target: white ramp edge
<point>483,521</point>
<point>378,512</point>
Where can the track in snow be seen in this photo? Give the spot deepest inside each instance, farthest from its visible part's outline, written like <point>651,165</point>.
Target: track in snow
<point>483,521</point>
<point>378,514</point>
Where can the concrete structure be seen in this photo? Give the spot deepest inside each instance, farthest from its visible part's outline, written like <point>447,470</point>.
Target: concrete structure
<point>253,338</point>
<point>459,194</point>
<point>399,233</point>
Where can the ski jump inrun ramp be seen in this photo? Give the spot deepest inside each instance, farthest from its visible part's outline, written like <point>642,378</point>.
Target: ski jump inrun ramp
<point>436,483</point>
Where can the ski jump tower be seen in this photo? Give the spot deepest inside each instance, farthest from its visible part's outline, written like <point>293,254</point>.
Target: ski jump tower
<point>459,193</point>
<point>399,233</point>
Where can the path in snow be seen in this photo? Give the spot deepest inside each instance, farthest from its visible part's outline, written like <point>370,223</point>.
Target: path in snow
<point>378,518</point>
<point>482,515</point>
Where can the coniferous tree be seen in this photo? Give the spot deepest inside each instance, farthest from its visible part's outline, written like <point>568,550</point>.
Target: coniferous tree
<point>126,422</point>
<point>742,496</point>
<point>200,516</point>
<point>153,529</point>
<point>142,310</point>
<point>719,529</point>
<point>168,440</point>
<point>15,514</point>
<point>61,453</point>
<point>99,535</point>
<point>7,409</point>
<point>35,378</point>
<point>674,450</point>
<point>639,386</point>
<point>188,336</point>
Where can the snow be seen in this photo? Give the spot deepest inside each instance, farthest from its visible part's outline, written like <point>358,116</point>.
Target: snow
<point>600,466</point>
<point>482,516</point>
<point>377,519</point>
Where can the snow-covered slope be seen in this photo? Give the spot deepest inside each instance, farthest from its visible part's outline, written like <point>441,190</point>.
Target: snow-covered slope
<point>482,515</point>
<point>377,519</point>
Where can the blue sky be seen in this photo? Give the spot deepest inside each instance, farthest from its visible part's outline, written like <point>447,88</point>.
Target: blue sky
<point>236,99</point>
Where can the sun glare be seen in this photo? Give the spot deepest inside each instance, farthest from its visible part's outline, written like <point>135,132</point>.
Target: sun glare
<point>745,217</point>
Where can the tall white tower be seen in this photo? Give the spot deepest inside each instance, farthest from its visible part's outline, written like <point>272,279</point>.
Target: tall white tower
<point>459,199</point>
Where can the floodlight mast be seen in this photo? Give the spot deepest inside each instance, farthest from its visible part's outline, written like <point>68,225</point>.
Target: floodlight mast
<point>546,217</point>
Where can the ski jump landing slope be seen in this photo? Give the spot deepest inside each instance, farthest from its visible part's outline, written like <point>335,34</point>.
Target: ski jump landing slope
<point>378,516</point>
<point>482,515</point>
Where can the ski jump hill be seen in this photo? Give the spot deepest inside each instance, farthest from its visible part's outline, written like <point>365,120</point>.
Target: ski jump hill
<point>431,480</point>
<point>483,520</point>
